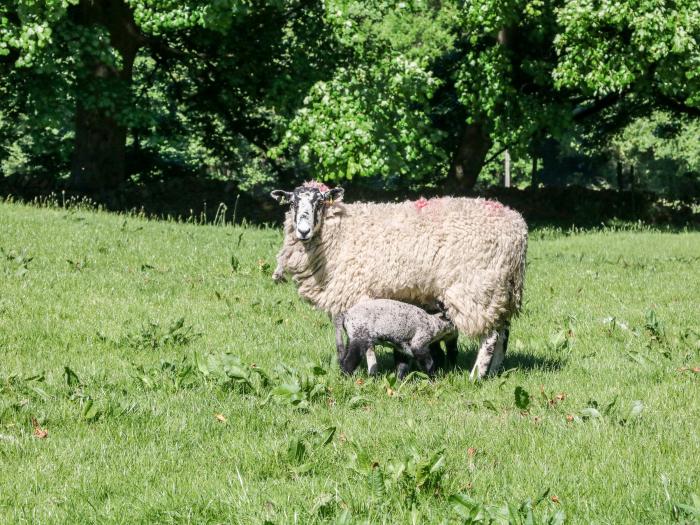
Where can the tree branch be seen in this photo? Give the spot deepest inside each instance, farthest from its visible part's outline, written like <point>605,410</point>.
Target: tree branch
<point>675,106</point>
<point>578,114</point>
<point>582,112</point>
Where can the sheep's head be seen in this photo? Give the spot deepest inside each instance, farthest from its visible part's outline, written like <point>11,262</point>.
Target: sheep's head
<point>307,204</point>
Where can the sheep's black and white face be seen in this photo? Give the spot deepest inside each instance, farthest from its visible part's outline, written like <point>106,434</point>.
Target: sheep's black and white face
<point>307,204</point>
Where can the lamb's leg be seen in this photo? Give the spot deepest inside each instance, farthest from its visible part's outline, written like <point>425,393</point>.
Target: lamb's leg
<point>451,348</point>
<point>491,354</point>
<point>420,349</point>
<point>339,341</point>
<point>353,355</point>
<point>423,355</point>
<point>371,361</point>
<point>402,364</point>
<point>371,357</point>
<point>437,354</point>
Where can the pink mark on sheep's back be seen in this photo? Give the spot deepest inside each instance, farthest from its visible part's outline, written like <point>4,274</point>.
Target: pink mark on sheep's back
<point>421,203</point>
<point>494,206</point>
<point>320,186</point>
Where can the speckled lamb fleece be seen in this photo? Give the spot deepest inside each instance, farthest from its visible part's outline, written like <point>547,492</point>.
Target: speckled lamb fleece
<point>407,328</point>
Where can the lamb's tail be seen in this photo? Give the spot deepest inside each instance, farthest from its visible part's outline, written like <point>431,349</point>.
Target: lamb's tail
<point>339,321</point>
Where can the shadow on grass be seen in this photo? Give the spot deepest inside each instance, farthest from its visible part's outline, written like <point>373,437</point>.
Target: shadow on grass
<point>465,362</point>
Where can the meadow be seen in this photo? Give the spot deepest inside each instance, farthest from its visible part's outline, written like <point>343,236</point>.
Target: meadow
<point>152,372</point>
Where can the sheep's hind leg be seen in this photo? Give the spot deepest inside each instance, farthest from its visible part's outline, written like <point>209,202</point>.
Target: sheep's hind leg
<point>491,354</point>
<point>499,353</point>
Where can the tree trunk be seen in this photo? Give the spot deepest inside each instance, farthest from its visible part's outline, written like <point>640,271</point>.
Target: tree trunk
<point>620,177</point>
<point>99,154</point>
<point>474,145</point>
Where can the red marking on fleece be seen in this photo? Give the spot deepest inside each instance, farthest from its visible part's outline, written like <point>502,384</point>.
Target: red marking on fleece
<point>320,186</point>
<point>421,203</point>
<point>494,206</point>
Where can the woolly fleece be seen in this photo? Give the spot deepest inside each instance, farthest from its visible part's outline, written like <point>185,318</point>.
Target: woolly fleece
<point>467,253</point>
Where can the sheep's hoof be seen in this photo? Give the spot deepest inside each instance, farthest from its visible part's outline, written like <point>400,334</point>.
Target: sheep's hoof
<point>401,371</point>
<point>474,375</point>
<point>279,278</point>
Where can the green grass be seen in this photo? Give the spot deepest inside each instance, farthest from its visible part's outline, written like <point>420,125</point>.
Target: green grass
<point>159,329</point>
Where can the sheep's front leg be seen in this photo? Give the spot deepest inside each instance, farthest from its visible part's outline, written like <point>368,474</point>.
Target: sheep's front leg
<point>491,354</point>
<point>278,274</point>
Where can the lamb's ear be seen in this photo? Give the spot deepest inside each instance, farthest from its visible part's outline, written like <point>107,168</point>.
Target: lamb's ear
<point>335,194</point>
<point>282,196</point>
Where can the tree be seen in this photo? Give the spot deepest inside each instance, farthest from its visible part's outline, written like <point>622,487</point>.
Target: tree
<point>486,75</point>
<point>413,91</point>
<point>220,62</point>
<point>647,49</point>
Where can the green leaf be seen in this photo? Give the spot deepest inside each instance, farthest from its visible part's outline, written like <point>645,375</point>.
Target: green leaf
<point>90,411</point>
<point>286,390</point>
<point>327,435</point>
<point>358,401</point>
<point>296,451</point>
<point>40,392</point>
<point>375,481</point>
<point>522,398</point>
<point>490,405</point>
<point>72,379</point>
<point>466,507</point>
<point>237,373</point>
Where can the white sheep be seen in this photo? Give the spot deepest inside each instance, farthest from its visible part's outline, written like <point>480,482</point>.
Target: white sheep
<point>467,253</point>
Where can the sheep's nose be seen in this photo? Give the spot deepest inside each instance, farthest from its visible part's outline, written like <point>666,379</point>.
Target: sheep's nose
<point>303,230</point>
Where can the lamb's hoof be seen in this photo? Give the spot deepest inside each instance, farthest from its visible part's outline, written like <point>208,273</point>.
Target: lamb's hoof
<point>279,278</point>
<point>401,371</point>
<point>372,367</point>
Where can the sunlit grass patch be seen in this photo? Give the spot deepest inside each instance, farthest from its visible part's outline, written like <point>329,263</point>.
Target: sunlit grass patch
<point>152,371</point>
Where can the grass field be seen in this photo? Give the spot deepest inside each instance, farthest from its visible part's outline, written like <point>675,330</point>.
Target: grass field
<point>152,372</point>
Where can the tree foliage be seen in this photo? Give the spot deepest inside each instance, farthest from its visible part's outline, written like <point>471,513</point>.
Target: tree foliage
<point>410,91</point>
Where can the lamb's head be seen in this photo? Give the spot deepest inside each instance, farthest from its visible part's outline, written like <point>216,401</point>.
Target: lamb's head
<point>307,205</point>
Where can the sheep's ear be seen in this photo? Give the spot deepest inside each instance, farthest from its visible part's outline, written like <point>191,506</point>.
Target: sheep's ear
<point>335,194</point>
<point>282,196</point>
